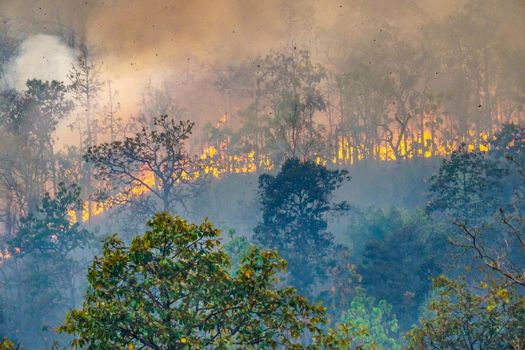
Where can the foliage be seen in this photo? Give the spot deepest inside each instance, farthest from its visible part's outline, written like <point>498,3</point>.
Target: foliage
<point>8,48</point>
<point>237,248</point>
<point>483,194</point>
<point>459,318</point>
<point>172,289</point>
<point>29,120</point>
<point>50,230</point>
<point>6,344</point>
<point>157,101</point>
<point>86,83</point>
<point>42,277</point>
<point>378,321</point>
<point>284,90</point>
<point>459,189</point>
<point>295,204</point>
<point>397,265</point>
<point>158,151</point>
<point>371,224</point>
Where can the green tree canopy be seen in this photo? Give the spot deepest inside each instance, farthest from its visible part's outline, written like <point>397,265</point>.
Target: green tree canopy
<point>483,194</point>
<point>459,189</point>
<point>49,229</point>
<point>172,289</point>
<point>373,324</point>
<point>396,264</point>
<point>295,204</point>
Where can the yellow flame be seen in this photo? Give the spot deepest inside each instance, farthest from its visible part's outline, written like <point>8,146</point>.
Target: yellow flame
<point>219,162</point>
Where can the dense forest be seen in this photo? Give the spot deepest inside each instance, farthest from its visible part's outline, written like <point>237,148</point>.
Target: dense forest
<point>277,175</point>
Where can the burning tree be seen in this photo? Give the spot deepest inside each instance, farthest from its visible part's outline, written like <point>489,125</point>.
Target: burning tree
<point>155,160</point>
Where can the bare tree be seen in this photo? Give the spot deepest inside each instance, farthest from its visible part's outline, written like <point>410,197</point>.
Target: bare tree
<point>112,125</point>
<point>155,153</point>
<point>86,84</point>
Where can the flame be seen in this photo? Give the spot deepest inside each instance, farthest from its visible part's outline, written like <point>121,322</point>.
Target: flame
<point>220,161</point>
<point>218,164</point>
<point>4,255</point>
<point>415,145</point>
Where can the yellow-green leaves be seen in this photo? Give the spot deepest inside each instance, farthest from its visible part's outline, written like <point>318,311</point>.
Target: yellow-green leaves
<point>6,344</point>
<point>172,288</point>
<point>492,317</point>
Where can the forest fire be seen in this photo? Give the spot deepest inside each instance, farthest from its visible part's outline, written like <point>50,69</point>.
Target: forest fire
<point>414,146</point>
<point>218,162</point>
<point>216,165</point>
<point>330,174</point>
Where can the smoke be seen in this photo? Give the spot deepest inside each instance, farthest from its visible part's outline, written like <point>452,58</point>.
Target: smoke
<point>186,42</point>
<point>42,57</point>
<point>133,36</point>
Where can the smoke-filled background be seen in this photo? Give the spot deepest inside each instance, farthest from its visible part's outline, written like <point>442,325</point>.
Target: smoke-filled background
<point>139,42</point>
<point>398,124</point>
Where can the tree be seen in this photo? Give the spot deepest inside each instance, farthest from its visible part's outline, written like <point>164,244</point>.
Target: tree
<point>237,248</point>
<point>155,153</point>
<point>50,229</point>
<point>365,96</point>
<point>475,46</point>
<point>111,124</point>
<point>383,88</point>
<point>172,289</point>
<point>484,197</point>
<point>246,81</point>
<point>293,98</point>
<point>458,318</point>
<point>373,325</point>
<point>295,205</point>
<point>48,106</point>
<point>157,101</point>
<point>41,280</point>
<point>33,116</point>
<point>8,47</point>
<point>281,93</point>
<point>459,189</point>
<point>28,121</point>
<point>86,85</point>
<point>397,263</point>
<point>6,344</point>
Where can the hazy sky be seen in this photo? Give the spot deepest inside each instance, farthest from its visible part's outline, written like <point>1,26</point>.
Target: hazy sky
<point>154,40</point>
<point>160,31</point>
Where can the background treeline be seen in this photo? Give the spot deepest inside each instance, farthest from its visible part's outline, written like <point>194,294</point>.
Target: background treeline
<point>381,95</point>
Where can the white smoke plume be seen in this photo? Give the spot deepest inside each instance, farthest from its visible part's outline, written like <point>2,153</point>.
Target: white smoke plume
<point>41,56</point>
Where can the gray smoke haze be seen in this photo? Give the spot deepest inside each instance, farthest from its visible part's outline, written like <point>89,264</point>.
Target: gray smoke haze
<point>141,42</point>
<point>142,33</point>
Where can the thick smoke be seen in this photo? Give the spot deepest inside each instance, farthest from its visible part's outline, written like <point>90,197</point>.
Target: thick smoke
<point>42,57</point>
<point>187,42</point>
<point>132,36</point>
